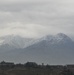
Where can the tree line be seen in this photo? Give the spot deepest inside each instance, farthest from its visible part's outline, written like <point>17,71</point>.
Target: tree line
<point>32,68</point>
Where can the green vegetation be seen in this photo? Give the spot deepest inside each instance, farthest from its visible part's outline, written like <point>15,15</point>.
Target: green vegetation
<point>32,68</point>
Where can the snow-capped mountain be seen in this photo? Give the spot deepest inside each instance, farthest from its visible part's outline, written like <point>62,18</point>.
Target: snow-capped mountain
<point>57,39</point>
<point>12,42</point>
<point>62,38</point>
<point>58,49</point>
<point>16,41</point>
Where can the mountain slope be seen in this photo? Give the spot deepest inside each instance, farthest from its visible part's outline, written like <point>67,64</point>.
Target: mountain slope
<point>58,49</point>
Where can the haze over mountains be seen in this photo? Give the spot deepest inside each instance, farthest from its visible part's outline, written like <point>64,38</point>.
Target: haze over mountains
<point>58,49</point>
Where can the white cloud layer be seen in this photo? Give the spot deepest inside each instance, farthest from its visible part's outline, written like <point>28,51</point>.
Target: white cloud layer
<point>34,18</point>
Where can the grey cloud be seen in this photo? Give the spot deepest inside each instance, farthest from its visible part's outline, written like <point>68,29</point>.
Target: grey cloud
<point>47,16</point>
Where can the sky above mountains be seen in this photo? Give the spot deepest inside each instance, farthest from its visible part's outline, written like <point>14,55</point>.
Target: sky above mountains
<point>34,18</point>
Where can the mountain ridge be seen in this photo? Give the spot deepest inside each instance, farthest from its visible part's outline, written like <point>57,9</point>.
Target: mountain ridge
<point>58,49</point>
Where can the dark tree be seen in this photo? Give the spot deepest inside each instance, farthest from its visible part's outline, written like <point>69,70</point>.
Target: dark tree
<point>31,64</point>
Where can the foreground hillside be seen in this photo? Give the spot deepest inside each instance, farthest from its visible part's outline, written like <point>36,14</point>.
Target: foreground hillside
<point>31,68</point>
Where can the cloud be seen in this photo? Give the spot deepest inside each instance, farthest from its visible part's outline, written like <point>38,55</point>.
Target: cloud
<point>36,17</point>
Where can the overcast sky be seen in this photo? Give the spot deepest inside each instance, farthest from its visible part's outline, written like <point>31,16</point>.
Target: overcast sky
<point>34,18</point>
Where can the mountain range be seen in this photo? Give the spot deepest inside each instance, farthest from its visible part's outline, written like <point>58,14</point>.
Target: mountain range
<point>50,49</point>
